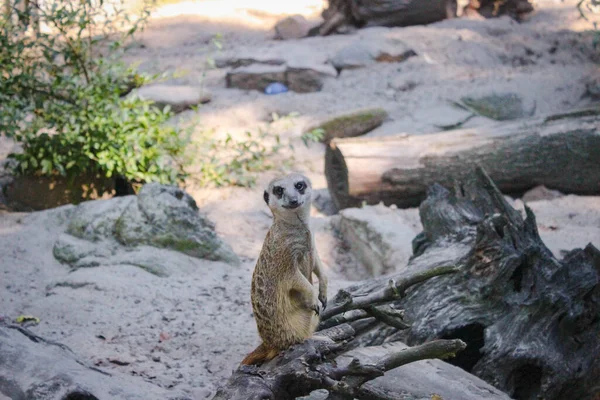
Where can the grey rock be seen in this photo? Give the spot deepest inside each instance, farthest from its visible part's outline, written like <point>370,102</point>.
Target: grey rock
<point>379,237</point>
<point>292,27</point>
<point>255,77</point>
<point>300,78</point>
<point>363,53</point>
<point>178,97</point>
<point>32,368</point>
<point>128,230</point>
<point>499,106</point>
<point>322,202</point>
<point>304,80</point>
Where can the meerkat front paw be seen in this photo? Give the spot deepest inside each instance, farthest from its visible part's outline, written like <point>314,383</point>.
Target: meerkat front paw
<point>323,300</point>
<point>316,308</point>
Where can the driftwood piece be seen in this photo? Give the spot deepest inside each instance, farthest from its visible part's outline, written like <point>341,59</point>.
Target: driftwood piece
<point>559,152</point>
<point>530,321</point>
<point>390,13</point>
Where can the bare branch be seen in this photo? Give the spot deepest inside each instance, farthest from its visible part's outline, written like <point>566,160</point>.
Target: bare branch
<point>394,291</point>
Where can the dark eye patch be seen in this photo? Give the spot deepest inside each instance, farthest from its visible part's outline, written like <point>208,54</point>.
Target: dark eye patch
<point>266,197</point>
<point>300,186</point>
<point>278,191</point>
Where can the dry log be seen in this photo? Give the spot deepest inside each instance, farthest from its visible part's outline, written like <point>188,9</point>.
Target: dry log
<point>390,13</point>
<point>530,321</point>
<point>559,152</point>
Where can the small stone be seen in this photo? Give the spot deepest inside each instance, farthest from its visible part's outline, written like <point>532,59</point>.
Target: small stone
<point>178,97</point>
<point>292,27</point>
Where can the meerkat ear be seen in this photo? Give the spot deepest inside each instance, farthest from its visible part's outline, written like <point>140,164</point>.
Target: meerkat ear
<point>266,197</point>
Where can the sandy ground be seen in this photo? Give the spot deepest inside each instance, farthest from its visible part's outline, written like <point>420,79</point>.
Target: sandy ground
<point>188,331</point>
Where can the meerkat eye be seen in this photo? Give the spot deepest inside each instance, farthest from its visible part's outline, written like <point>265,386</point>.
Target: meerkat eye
<point>278,191</point>
<point>300,186</point>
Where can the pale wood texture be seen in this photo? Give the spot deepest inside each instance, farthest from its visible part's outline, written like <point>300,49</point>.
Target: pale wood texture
<point>559,152</point>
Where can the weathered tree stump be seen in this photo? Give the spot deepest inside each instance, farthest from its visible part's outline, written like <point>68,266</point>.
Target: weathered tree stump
<point>559,152</point>
<point>531,322</point>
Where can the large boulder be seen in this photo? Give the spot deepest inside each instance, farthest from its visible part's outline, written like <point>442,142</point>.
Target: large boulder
<point>159,216</point>
<point>32,368</point>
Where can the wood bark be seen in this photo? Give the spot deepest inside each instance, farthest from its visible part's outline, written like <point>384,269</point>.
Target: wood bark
<point>390,13</point>
<point>530,321</point>
<point>559,152</point>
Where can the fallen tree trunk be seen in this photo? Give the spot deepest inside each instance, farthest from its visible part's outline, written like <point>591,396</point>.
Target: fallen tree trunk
<point>559,152</point>
<point>530,321</point>
<point>385,13</point>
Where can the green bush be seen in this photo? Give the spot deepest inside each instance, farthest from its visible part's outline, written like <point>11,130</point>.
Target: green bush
<point>62,96</point>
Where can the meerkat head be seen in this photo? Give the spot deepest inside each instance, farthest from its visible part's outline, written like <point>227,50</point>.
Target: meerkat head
<point>289,194</point>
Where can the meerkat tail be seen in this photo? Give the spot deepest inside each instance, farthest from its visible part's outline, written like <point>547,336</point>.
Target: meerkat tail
<point>260,355</point>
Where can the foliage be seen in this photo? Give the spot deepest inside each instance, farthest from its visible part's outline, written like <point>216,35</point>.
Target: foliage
<point>314,136</point>
<point>62,96</point>
<point>237,162</point>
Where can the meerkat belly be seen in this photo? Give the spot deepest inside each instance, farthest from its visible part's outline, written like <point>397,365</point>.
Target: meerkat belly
<point>281,319</point>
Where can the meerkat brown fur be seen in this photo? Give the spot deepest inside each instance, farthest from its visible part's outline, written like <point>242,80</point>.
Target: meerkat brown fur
<point>286,307</point>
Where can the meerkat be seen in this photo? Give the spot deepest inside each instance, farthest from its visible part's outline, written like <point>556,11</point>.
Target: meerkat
<point>285,305</point>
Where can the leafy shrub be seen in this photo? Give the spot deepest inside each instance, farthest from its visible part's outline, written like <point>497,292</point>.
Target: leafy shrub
<point>62,96</point>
